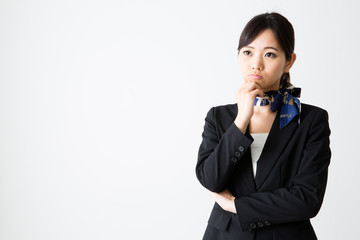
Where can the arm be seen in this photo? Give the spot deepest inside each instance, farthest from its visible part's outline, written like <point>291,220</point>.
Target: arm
<point>225,199</point>
<point>303,199</point>
<point>218,158</point>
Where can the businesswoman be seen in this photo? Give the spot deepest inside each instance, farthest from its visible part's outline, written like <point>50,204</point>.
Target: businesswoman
<point>264,159</point>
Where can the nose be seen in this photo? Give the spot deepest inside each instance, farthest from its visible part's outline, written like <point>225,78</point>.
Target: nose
<point>257,64</point>
<point>256,68</point>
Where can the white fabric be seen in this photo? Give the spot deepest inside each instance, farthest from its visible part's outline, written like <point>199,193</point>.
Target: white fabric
<point>257,147</point>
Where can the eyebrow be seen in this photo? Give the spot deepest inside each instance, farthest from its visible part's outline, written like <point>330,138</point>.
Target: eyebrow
<point>264,48</point>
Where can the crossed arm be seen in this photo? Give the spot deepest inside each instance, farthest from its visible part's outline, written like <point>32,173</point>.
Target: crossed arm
<point>225,199</point>
<point>300,201</point>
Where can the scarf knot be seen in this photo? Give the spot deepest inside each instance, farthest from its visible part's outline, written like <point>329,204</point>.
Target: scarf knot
<point>285,99</point>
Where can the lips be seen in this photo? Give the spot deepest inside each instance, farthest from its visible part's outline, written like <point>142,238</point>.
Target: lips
<point>255,76</point>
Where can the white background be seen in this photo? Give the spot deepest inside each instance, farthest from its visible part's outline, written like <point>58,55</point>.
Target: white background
<point>103,104</point>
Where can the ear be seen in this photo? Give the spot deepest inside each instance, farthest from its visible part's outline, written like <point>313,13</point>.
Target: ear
<point>290,63</point>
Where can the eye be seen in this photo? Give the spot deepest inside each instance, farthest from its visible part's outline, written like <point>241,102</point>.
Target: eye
<point>247,52</point>
<point>269,54</point>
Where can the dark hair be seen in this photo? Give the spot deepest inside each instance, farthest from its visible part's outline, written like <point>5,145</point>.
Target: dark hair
<point>282,30</point>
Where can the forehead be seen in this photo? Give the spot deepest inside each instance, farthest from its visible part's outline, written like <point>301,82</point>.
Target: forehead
<point>265,39</point>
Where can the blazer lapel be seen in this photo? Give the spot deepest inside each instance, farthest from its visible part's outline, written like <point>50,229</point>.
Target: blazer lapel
<point>275,143</point>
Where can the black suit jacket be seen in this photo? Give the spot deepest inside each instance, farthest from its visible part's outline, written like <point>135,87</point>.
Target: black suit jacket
<point>290,180</point>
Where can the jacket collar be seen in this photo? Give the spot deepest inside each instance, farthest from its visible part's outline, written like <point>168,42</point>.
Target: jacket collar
<point>274,145</point>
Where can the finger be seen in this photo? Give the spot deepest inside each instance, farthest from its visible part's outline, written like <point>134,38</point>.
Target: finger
<point>228,193</point>
<point>251,86</point>
<point>257,92</point>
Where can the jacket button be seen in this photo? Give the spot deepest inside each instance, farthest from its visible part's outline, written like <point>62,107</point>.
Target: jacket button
<point>234,160</point>
<point>237,154</point>
<point>252,225</point>
<point>267,223</point>
<point>241,148</point>
<point>260,224</point>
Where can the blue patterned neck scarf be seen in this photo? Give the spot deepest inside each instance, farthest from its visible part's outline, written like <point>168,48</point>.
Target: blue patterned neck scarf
<point>282,99</point>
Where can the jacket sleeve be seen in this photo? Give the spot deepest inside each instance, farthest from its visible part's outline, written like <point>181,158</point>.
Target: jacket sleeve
<point>303,199</point>
<point>217,158</point>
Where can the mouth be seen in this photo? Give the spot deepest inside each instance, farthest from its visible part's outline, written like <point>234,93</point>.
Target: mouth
<point>255,76</point>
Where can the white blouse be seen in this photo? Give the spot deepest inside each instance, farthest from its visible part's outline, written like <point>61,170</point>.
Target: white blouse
<point>257,147</point>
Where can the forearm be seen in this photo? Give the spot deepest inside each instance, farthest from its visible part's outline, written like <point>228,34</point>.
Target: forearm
<point>276,207</point>
<point>217,161</point>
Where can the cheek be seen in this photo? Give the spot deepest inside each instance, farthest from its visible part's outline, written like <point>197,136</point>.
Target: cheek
<point>242,66</point>
<point>276,68</point>
<point>244,62</point>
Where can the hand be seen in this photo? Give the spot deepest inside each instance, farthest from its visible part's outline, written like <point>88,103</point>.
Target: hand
<point>245,97</point>
<point>225,199</point>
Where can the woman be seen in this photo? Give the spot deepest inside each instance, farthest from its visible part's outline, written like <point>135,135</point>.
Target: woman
<point>265,158</point>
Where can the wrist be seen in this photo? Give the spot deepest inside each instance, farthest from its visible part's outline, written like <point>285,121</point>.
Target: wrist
<point>241,124</point>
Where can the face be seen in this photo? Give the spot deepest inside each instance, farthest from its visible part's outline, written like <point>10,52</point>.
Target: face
<point>263,61</point>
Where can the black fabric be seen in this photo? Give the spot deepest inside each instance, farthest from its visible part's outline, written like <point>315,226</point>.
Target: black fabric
<point>290,180</point>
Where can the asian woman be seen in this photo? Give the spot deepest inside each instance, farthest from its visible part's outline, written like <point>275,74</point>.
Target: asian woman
<point>265,158</point>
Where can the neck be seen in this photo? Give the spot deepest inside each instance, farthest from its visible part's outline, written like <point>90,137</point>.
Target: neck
<point>262,109</point>
<point>262,119</point>
<point>263,112</point>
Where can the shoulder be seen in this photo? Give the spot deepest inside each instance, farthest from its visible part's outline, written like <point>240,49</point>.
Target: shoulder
<point>311,114</point>
<point>222,115</point>
<point>226,108</point>
<point>308,110</point>
<point>223,111</point>
<point>311,108</point>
